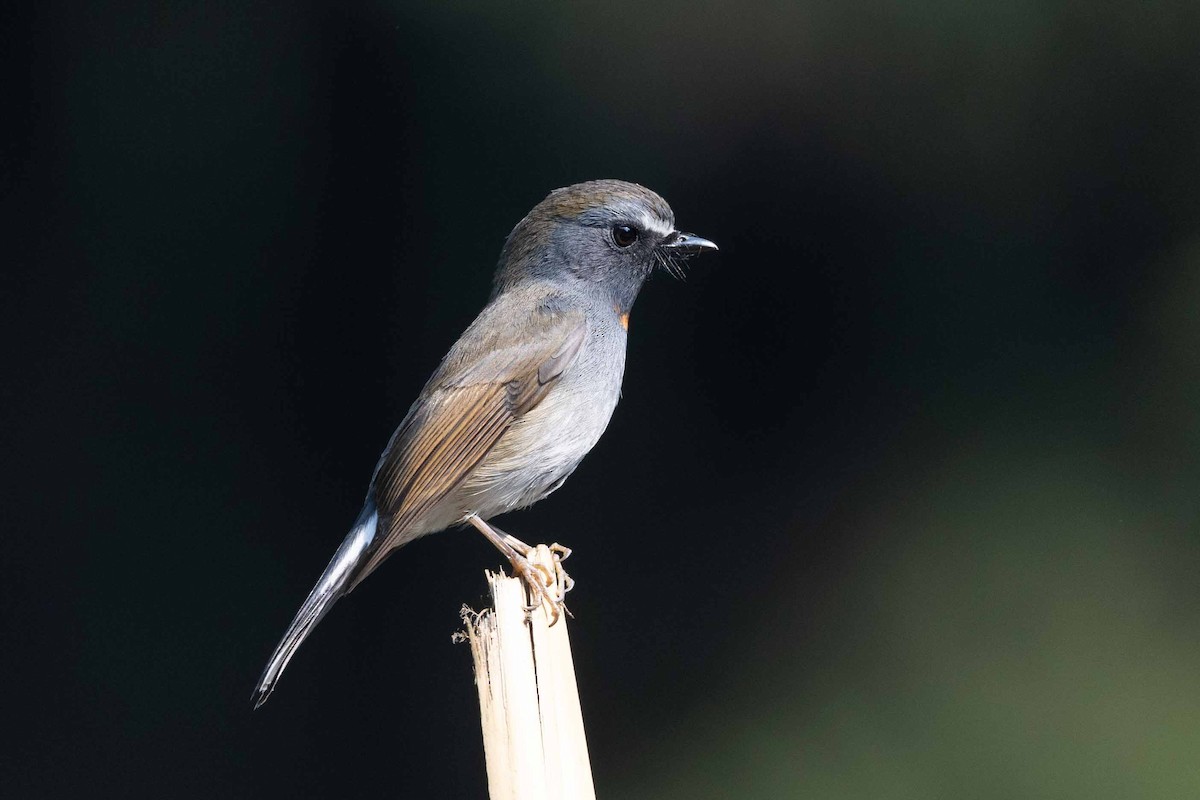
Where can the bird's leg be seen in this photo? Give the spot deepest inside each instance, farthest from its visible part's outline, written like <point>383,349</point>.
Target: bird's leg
<point>536,577</point>
<point>560,553</point>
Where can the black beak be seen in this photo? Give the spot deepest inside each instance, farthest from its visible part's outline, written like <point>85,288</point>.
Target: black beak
<point>687,243</point>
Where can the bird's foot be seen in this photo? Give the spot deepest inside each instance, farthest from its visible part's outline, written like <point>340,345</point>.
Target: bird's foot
<point>565,581</point>
<point>559,553</point>
<point>538,581</point>
<point>537,577</point>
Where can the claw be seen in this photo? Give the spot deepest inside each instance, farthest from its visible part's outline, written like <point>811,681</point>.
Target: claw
<point>565,581</point>
<point>537,577</point>
<point>538,580</point>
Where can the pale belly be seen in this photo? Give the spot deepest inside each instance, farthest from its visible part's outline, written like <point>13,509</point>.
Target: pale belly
<point>538,452</point>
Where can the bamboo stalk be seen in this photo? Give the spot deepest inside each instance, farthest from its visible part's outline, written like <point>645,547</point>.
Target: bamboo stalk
<point>533,736</point>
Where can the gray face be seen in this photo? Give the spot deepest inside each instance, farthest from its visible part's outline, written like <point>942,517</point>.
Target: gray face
<point>615,245</point>
<point>606,235</point>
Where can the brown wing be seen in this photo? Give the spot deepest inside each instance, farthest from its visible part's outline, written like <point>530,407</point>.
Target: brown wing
<point>465,409</point>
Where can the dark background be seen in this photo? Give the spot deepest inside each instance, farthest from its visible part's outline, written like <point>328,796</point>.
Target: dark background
<point>902,497</point>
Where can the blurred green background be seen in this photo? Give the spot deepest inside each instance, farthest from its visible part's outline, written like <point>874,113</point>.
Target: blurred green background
<point>901,500</point>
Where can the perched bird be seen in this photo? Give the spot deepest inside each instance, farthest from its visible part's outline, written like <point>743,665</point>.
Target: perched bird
<point>521,397</point>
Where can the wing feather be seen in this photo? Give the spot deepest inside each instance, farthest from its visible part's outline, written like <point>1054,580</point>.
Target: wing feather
<point>463,412</point>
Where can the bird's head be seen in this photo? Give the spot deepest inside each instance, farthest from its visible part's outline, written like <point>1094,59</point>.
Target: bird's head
<point>607,235</point>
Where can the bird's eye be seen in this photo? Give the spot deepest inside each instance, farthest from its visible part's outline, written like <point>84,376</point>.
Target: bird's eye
<point>624,235</point>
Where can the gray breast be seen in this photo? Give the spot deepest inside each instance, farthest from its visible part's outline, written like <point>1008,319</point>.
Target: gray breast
<point>543,448</point>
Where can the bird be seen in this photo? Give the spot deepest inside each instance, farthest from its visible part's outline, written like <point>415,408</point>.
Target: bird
<point>520,398</point>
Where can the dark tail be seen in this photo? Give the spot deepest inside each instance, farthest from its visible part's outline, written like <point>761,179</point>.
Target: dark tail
<point>335,582</point>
